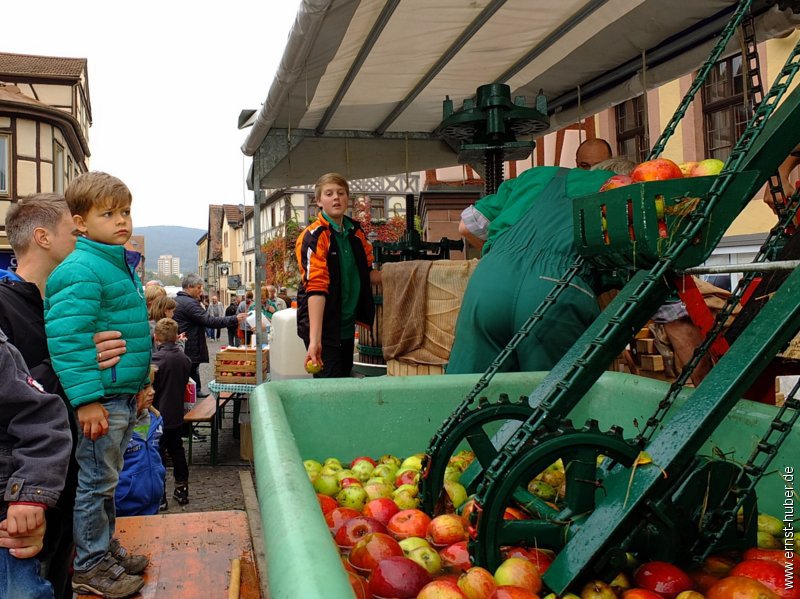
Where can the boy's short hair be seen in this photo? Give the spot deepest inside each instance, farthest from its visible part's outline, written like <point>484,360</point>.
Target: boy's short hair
<point>96,188</point>
<point>38,210</point>
<point>329,178</point>
<point>249,295</point>
<point>166,330</point>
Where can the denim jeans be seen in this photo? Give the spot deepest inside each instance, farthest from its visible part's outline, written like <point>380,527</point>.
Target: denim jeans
<point>20,578</point>
<point>99,465</point>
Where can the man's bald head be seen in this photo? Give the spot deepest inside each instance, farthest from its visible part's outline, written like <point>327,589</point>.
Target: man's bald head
<point>591,152</point>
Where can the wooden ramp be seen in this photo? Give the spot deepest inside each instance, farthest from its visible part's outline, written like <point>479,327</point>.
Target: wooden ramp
<point>191,554</point>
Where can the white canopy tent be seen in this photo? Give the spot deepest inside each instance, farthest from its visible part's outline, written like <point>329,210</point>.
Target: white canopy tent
<point>361,83</point>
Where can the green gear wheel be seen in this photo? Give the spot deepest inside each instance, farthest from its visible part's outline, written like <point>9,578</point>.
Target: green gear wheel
<point>471,429</point>
<point>578,450</point>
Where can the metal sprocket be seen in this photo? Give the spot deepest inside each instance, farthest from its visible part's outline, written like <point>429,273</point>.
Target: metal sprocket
<point>471,429</point>
<point>579,451</point>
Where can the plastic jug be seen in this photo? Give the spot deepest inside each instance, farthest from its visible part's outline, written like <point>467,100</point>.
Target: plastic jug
<point>287,351</point>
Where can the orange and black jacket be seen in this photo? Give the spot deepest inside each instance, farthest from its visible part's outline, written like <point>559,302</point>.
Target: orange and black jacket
<point>318,257</point>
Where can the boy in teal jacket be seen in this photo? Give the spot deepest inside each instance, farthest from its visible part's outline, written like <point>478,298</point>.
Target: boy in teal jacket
<point>95,289</point>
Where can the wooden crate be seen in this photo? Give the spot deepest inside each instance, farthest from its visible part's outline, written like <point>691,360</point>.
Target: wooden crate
<point>238,366</point>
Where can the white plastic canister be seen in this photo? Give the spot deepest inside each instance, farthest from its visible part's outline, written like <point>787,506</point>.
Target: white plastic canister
<point>286,350</point>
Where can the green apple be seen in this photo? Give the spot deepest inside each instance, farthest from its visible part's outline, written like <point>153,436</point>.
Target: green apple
<point>391,460</point>
<point>456,492</point>
<point>387,471</point>
<point>344,473</point>
<point>353,497</point>
<point>312,368</point>
<point>332,461</point>
<point>428,558</point>
<point>542,490</point>
<point>326,484</point>
<point>313,468</point>
<point>405,500</point>
<point>452,473</point>
<point>378,490</point>
<point>409,544</point>
<point>413,462</point>
<point>412,490</point>
<point>363,470</point>
<point>331,469</point>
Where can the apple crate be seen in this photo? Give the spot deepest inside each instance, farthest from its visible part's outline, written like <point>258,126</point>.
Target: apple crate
<point>294,420</point>
<point>238,366</point>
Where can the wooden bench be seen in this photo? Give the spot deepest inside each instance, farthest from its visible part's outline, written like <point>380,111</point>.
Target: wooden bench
<point>207,413</point>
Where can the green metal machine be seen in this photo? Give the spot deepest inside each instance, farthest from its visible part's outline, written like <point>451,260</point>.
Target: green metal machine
<point>651,494</point>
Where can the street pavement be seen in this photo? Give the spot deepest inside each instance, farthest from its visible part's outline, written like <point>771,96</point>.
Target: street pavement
<point>212,487</point>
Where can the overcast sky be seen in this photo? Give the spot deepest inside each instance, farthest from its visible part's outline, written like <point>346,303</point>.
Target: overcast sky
<point>167,81</point>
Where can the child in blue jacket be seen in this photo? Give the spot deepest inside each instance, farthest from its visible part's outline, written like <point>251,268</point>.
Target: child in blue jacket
<point>96,289</point>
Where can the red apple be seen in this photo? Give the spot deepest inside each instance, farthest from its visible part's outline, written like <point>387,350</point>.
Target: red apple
<point>355,529</point>
<point>663,578</point>
<point>703,580</point>
<point>455,557</point>
<point>616,181</point>
<point>371,549</point>
<point>446,529</point>
<point>468,508</point>
<point>739,587</point>
<point>514,513</point>
<point>512,592</point>
<point>768,573</point>
<point>326,504</point>
<point>398,577</point>
<point>516,571</point>
<point>406,477</point>
<point>349,480</point>
<point>656,170</point>
<point>771,555</point>
<point>338,516</point>
<point>381,509</point>
<point>441,589</point>
<point>641,594</point>
<point>359,584</point>
<point>409,523</point>
<point>347,565</point>
<point>540,557</point>
<point>477,583</point>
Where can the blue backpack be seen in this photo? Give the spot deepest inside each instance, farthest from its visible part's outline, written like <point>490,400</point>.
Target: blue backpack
<point>141,482</point>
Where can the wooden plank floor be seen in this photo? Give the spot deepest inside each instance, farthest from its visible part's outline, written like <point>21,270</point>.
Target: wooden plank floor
<point>191,554</point>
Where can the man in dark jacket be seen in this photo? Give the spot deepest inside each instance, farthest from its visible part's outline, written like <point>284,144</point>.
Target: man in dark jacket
<point>233,340</point>
<point>193,320</point>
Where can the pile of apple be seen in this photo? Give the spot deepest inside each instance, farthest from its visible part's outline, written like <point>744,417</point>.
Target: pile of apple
<point>392,549</point>
<point>661,169</point>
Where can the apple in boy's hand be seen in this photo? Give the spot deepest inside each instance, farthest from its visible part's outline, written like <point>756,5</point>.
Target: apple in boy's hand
<point>312,368</point>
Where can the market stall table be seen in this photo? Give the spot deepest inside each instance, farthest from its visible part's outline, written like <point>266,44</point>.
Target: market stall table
<point>223,392</point>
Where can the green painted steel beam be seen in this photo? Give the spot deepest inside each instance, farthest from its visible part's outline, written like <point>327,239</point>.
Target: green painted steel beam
<point>681,437</point>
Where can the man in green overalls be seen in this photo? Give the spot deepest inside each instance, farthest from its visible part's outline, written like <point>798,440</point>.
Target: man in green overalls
<point>529,246</point>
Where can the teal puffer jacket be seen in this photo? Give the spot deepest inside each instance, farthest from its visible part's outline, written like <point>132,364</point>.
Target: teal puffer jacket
<point>96,289</point>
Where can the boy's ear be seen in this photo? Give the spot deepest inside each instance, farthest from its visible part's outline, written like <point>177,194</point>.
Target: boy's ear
<point>80,224</point>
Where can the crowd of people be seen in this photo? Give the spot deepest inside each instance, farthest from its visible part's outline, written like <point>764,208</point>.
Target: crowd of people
<point>89,357</point>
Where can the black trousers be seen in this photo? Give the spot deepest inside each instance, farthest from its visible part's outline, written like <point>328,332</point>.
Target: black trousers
<point>172,444</point>
<point>232,338</point>
<point>337,362</point>
<point>194,374</point>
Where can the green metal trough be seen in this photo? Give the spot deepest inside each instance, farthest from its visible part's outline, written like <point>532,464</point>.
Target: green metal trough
<point>295,420</point>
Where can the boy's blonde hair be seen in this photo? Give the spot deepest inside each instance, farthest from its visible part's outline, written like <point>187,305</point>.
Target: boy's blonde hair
<point>96,189</point>
<point>330,178</point>
<point>166,330</point>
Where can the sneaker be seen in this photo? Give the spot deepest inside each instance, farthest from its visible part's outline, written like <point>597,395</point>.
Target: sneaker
<point>133,564</point>
<point>202,394</point>
<point>164,505</point>
<point>197,438</point>
<point>107,579</point>
<point>181,494</point>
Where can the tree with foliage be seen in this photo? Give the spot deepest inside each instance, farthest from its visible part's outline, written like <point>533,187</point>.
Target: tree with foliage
<point>279,261</point>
